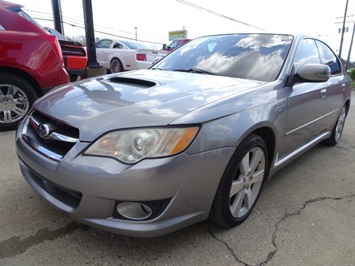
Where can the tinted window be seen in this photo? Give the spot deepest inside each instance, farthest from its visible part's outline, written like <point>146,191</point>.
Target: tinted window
<point>56,33</point>
<point>328,57</point>
<point>248,56</point>
<point>173,44</point>
<point>307,52</point>
<point>117,45</point>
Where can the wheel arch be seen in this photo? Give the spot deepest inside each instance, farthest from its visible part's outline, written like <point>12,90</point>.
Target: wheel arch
<point>25,76</point>
<point>266,131</point>
<point>268,135</point>
<point>119,59</point>
<point>347,105</point>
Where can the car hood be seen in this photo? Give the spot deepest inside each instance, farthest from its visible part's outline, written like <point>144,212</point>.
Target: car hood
<point>138,99</point>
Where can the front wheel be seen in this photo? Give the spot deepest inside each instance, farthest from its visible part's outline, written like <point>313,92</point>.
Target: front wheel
<point>16,99</point>
<point>241,183</point>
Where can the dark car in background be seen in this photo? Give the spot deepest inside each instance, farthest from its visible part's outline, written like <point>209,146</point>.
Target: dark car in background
<point>31,63</point>
<point>147,152</point>
<point>74,54</point>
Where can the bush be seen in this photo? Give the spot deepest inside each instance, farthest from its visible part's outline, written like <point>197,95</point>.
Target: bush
<point>352,74</point>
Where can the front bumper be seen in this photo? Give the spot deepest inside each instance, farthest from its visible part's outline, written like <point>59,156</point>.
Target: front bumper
<point>87,187</point>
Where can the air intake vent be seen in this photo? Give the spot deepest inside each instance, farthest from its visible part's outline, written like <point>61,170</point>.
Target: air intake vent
<point>132,82</point>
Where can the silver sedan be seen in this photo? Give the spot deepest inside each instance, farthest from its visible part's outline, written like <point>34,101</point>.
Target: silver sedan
<point>147,152</point>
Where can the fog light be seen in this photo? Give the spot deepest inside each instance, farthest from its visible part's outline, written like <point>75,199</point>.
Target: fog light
<point>134,210</point>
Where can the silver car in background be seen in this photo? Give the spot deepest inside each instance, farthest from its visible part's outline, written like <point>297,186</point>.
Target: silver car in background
<point>147,152</point>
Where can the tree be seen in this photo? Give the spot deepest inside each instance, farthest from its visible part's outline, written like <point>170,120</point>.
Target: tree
<point>352,74</point>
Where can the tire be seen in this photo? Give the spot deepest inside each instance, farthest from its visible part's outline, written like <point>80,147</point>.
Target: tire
<point>16,99</point>
<point>73,77</point>
<point>241,183</point>
<point>337,130</point>
<point>116,66</point>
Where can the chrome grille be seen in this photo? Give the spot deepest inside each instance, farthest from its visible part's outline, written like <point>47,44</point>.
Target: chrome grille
<point>48,136</point>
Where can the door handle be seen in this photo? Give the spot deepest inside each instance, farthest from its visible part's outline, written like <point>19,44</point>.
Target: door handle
<point>322,92</point>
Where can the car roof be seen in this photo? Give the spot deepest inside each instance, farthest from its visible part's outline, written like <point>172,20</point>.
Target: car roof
<point>9,5</point>
<point>178,39</point>
<point>13,18</point>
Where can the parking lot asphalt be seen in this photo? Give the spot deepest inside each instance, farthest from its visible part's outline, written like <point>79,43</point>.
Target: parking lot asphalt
<point>305,216</point>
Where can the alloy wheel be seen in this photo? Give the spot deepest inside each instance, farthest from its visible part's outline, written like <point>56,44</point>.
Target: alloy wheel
<point>247,182</point>
<point>14,103</point>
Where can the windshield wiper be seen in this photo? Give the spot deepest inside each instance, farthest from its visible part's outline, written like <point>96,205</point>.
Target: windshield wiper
<point>194,70</point>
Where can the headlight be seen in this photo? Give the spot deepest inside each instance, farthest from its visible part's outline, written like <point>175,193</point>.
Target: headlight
<point>131,146</point>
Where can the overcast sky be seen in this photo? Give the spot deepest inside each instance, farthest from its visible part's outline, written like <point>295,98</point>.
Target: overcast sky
<point>155,18</point>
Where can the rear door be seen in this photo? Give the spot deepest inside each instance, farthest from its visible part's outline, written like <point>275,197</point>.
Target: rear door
<point>335,89</point>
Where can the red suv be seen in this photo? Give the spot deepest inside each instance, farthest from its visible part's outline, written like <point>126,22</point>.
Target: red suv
<point>176,44</point>
<point>31,63</point>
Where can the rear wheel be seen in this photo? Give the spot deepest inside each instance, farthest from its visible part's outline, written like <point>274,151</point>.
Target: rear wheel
<point>16,99</point>
<point>241,183</point>
<point>337,130</point>
<point>116,66</point>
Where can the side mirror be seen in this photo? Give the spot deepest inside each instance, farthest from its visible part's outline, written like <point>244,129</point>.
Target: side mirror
<point>165,47</point>
<point>314,73</point>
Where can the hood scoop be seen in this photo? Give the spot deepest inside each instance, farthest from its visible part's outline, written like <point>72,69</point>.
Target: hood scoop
<point>132,82</point>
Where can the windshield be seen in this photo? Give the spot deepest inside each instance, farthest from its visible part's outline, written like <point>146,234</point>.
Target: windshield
<point>247,56</point>
<point>173,44</point>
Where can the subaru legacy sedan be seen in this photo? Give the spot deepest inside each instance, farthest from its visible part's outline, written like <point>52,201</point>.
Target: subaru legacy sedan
<point>147,152</point>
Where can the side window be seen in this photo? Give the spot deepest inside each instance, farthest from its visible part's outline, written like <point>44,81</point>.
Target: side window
<point>327,57</point>
<point>98,44</point>
<point>103,44</point>
<point>117,46</point>
<point>307,52</point>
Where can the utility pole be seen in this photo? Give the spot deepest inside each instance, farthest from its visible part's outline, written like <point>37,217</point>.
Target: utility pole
<point>93,68</point>
<point>343,29</point>
<point>57,16</point>
<point>351,44</point>
<point>90,35</point>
